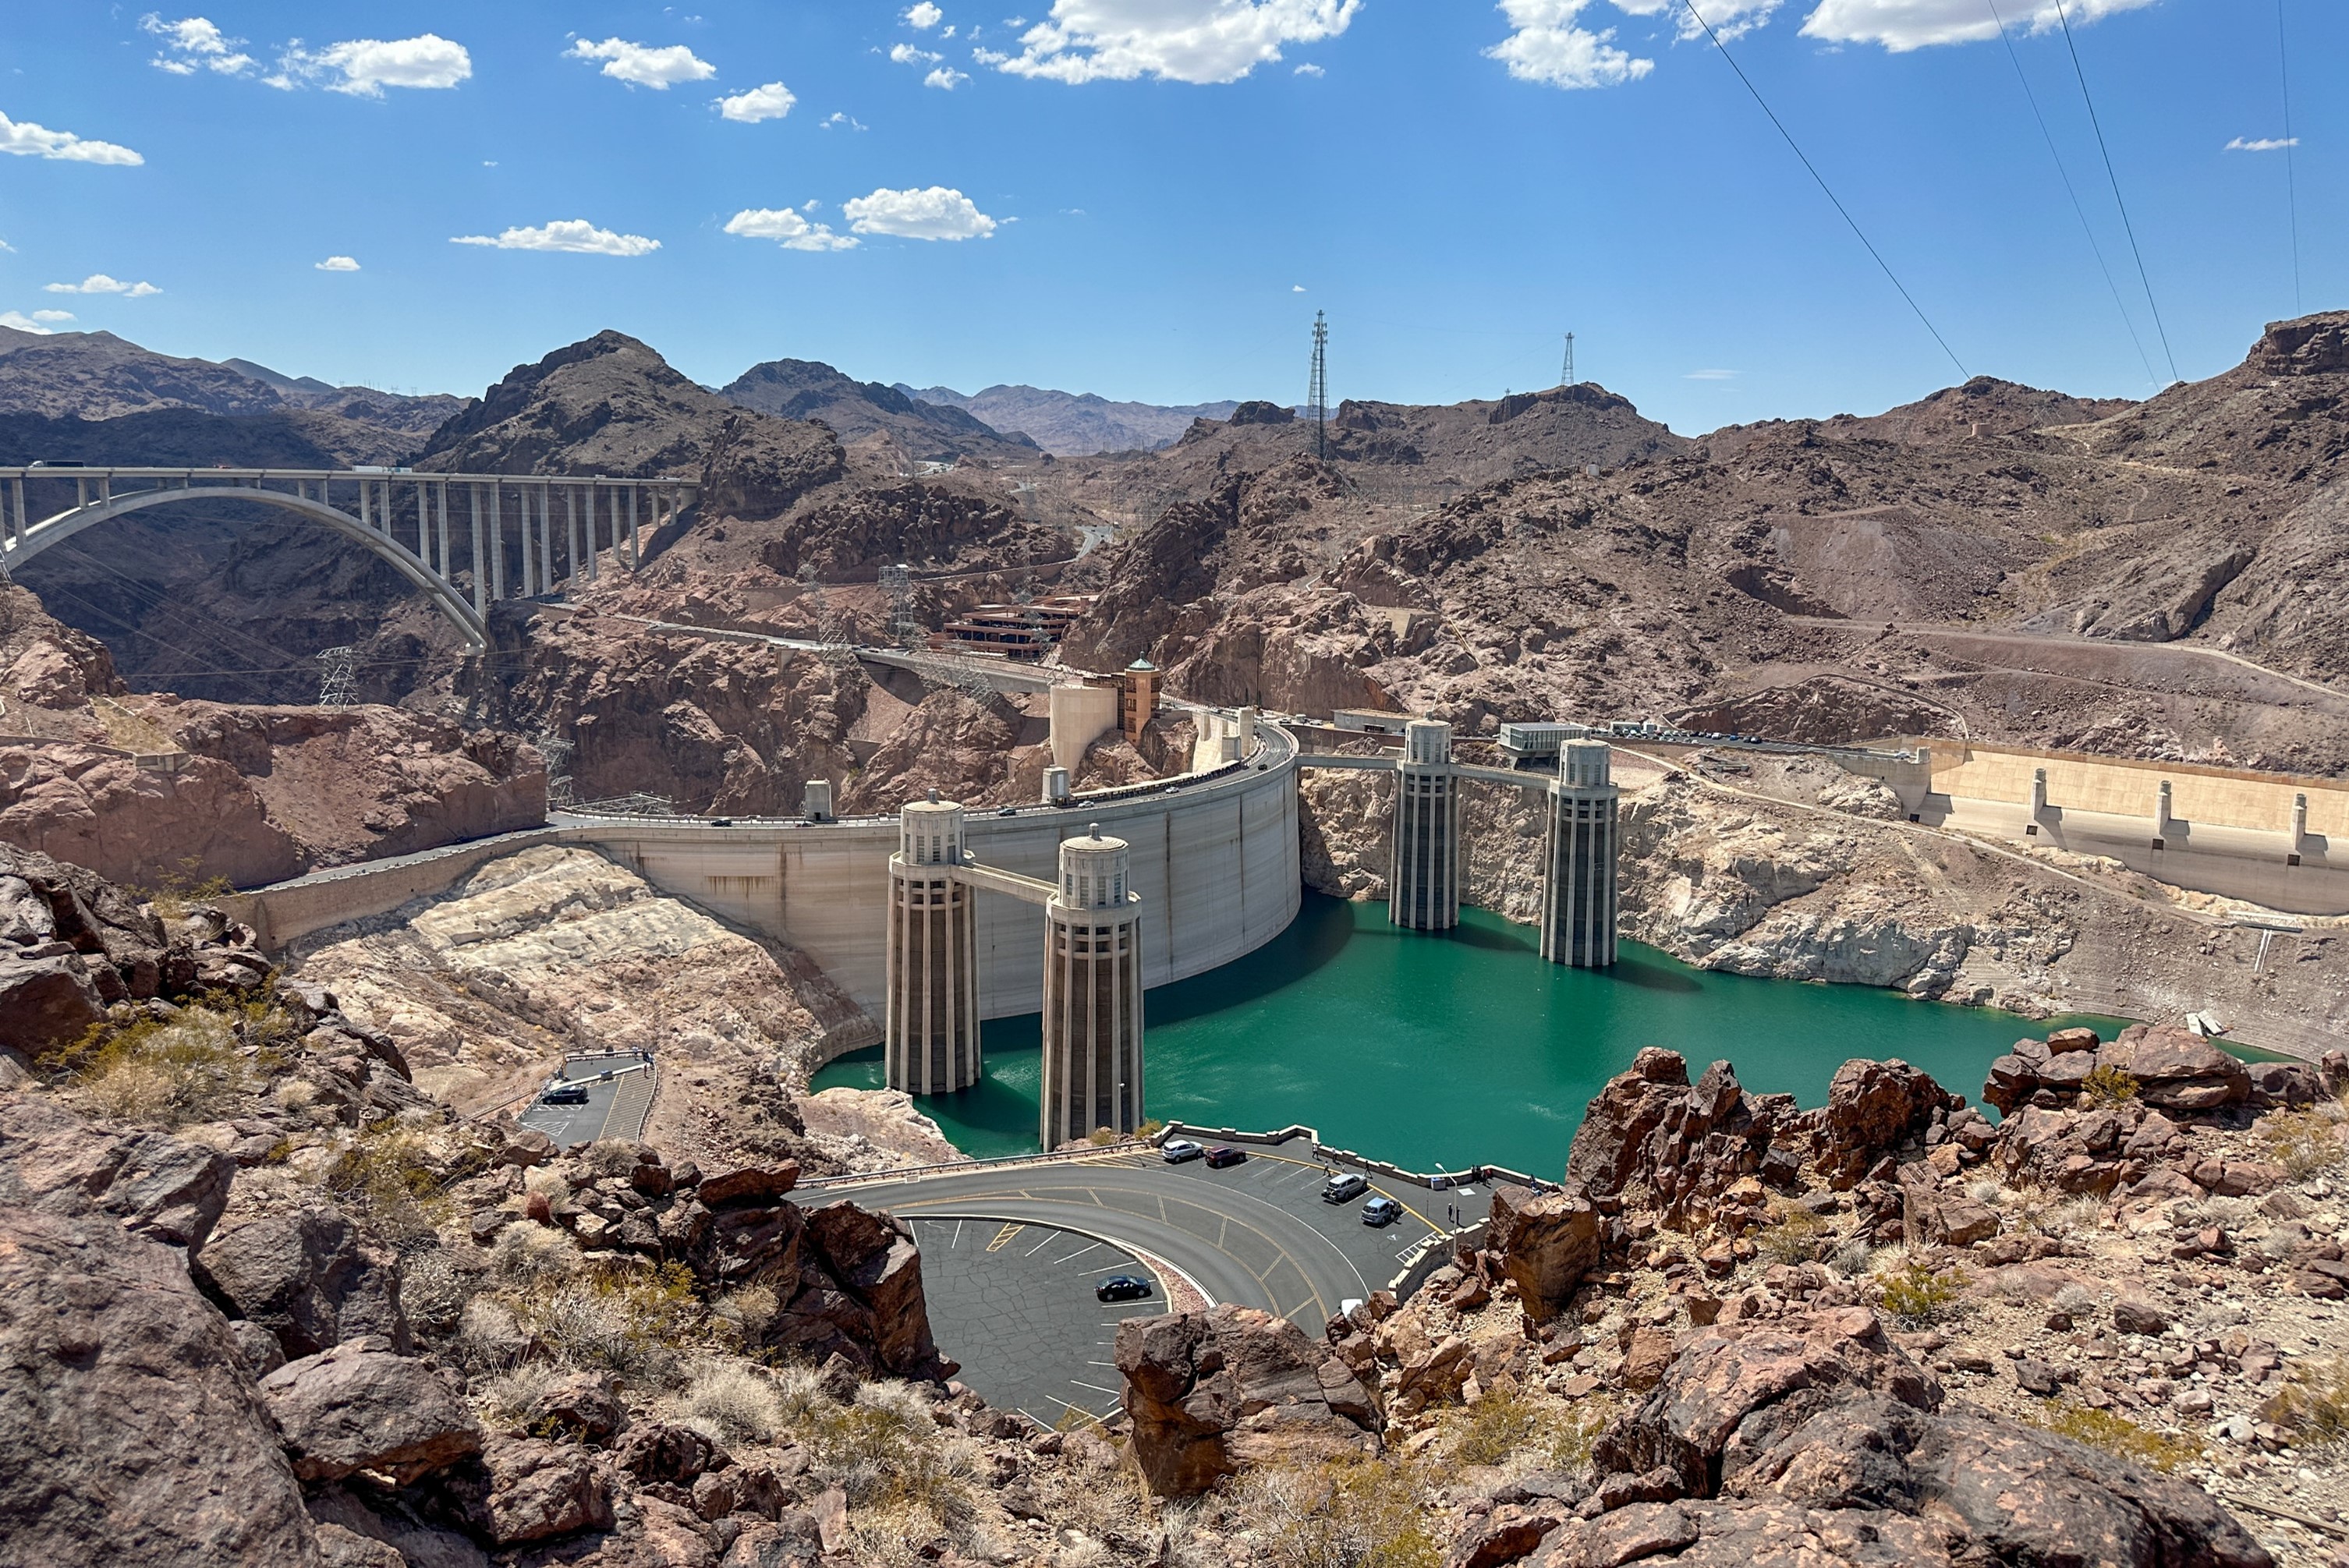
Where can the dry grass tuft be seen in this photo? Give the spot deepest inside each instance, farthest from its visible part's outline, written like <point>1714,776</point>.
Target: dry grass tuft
<point>1341,1514</point>
<point>2120,1437</point>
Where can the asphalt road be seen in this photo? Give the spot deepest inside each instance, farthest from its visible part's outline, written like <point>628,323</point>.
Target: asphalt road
<point>1026,1327</point>
<point>1256,1235</point>
<point>570,1124</point>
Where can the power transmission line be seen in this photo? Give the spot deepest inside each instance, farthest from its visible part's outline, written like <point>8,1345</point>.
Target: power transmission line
<point>2064,174</point>
<point>2290,192</point>
<point>1317,393</point>
<point>2126,227</point>
<point>1824,186</point>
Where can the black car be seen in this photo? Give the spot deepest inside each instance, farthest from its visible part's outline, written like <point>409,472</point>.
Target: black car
<point>1220,1155</point>
<point>1381,1211</point>
<point>564,1094</point>
<point>1344,1189</point>
<point>1122,1287</point>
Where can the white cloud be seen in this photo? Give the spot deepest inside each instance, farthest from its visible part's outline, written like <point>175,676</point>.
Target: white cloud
<point>365,66</point>
<point>1544,45</point>
<point>336,264</point>
<point>26,140</point>
<point>1904,25</point>
<point>925,16</point>
<point>906,55</point>
<point>945,76</point>
<point>640,65</point>
<point>99,284</point>
<point>2263,144</point>
<point>1730,20</point>
<point>18,320</point>
<point>1710,376</point>
<point>1297,288</point>
<point>575,235</point>
<point>53,315</point>
<point>770,102</point>
<point>787,229</point>
<point>936,213</point>
<point>850,120</point>
<point>192,43</point>
<point>1196,41</point>
<point>1308,69</point>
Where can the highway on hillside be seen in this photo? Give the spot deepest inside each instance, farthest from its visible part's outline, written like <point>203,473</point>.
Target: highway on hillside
<point>1256,1235</point>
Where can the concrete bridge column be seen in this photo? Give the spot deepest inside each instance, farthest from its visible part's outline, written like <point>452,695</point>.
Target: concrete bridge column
<point>1578,887</point>
<point>481,566</point>
<point>930,1031</point>
<point>1423,881</point>
<point>2038,793</point>
<point>2163,823</point>
<point>2299,821</point>
<point>1092,994</point>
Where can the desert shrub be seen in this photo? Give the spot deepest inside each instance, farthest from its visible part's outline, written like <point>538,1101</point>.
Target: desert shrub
<point>2304,1142</point>
<point>2119,1436</point>
<point>532,1256</point>
<point>2109,1085</point>
<point>630,1323</point>
<point>490,1336</point>
<point>1538,1432</point>
<point>745,1314</point>
<point>191,1066</point>
<point>1852,1259</point>
<point>1338,1514</point>
<point>2313,1407</point>
<point>507,1399</point>
<point>1918,1293</point>
<point>390,1172</point>
<point>733,1400</point>
<point>884,1448</point>
<point>611,1157</point>
<point>433,1289</point>
<point>1794,1234</point>
<point>2059,1214</point>
<point>2074,1300</point>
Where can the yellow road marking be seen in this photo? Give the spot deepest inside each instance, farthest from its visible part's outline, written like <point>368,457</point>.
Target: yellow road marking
<point>1009,1230</point>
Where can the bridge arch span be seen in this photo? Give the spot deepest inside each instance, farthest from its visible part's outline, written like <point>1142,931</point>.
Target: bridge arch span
<point>65,525</point>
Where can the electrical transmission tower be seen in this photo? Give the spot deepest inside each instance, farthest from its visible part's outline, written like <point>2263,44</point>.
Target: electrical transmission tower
<point>557,752</point>
<point>337,670</point>
<point>1566,376</point>
<point>1317,394</point>
<point>904,630</point>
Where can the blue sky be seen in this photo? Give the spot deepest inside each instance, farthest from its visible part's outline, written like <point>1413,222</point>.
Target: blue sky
<point>1149,199</point>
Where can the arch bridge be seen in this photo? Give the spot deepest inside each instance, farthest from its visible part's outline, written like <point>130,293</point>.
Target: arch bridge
<point>512,535</point>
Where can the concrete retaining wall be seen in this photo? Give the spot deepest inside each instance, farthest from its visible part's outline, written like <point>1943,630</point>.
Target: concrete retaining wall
<point>287,910</point>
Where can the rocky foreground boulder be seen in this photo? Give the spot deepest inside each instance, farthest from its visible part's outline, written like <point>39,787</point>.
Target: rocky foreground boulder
<point>132,1425</point>
<point>1211,1393</point>
<point>1815,1440</point>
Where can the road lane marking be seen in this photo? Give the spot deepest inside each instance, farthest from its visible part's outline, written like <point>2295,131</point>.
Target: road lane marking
<point>1040,1247</point>
<point>1010,1228</point>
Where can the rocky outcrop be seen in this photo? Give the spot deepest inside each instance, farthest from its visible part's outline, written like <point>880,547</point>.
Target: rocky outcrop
<point>1816,1437</point>
<point>157,1188</point>
<point>1546,1241</point>
<point>1653,1137</point>
<point>1210,1393</point>
<point>310,1279</point>
<point>2169,1068</point>
<point>132,1428</point>
<point>1873,1109</point>
<point>359,1407</point>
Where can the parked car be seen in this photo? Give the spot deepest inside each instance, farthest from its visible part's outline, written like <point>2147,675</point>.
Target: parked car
<point>1219,1156</point>
<point>1175,1150</point>
<point>1344,1189</point>
<point>1381,1211</point>
<point>564,1094</point>
<point>1122,1287</point>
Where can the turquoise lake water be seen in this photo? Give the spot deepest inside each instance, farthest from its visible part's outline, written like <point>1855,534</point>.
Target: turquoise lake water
<point>1444,1049</point>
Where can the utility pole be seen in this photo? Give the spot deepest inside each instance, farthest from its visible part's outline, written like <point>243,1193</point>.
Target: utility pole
<point>1566,376</point>
<point>1316,394</point>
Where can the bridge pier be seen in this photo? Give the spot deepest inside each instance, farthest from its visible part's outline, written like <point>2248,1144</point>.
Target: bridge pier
<point>1578,890</point>
<point>1424,880</point>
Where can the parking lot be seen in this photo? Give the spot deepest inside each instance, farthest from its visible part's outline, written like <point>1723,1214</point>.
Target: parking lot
<point>619,1092</point>
<point>1026,1326</point>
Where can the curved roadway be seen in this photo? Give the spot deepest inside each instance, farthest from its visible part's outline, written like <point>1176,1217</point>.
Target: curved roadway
<point>1256,1235</point>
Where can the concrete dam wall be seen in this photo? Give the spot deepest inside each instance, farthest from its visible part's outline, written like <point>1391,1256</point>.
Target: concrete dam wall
<point>1215,858</point>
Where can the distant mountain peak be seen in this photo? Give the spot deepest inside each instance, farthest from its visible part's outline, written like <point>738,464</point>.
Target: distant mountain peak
<point>1073,424</point>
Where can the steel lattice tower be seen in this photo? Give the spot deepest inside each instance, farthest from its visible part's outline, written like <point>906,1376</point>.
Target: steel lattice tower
<point>1566,376</point>
<point>338,668</point>
<point>1317,394</point>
